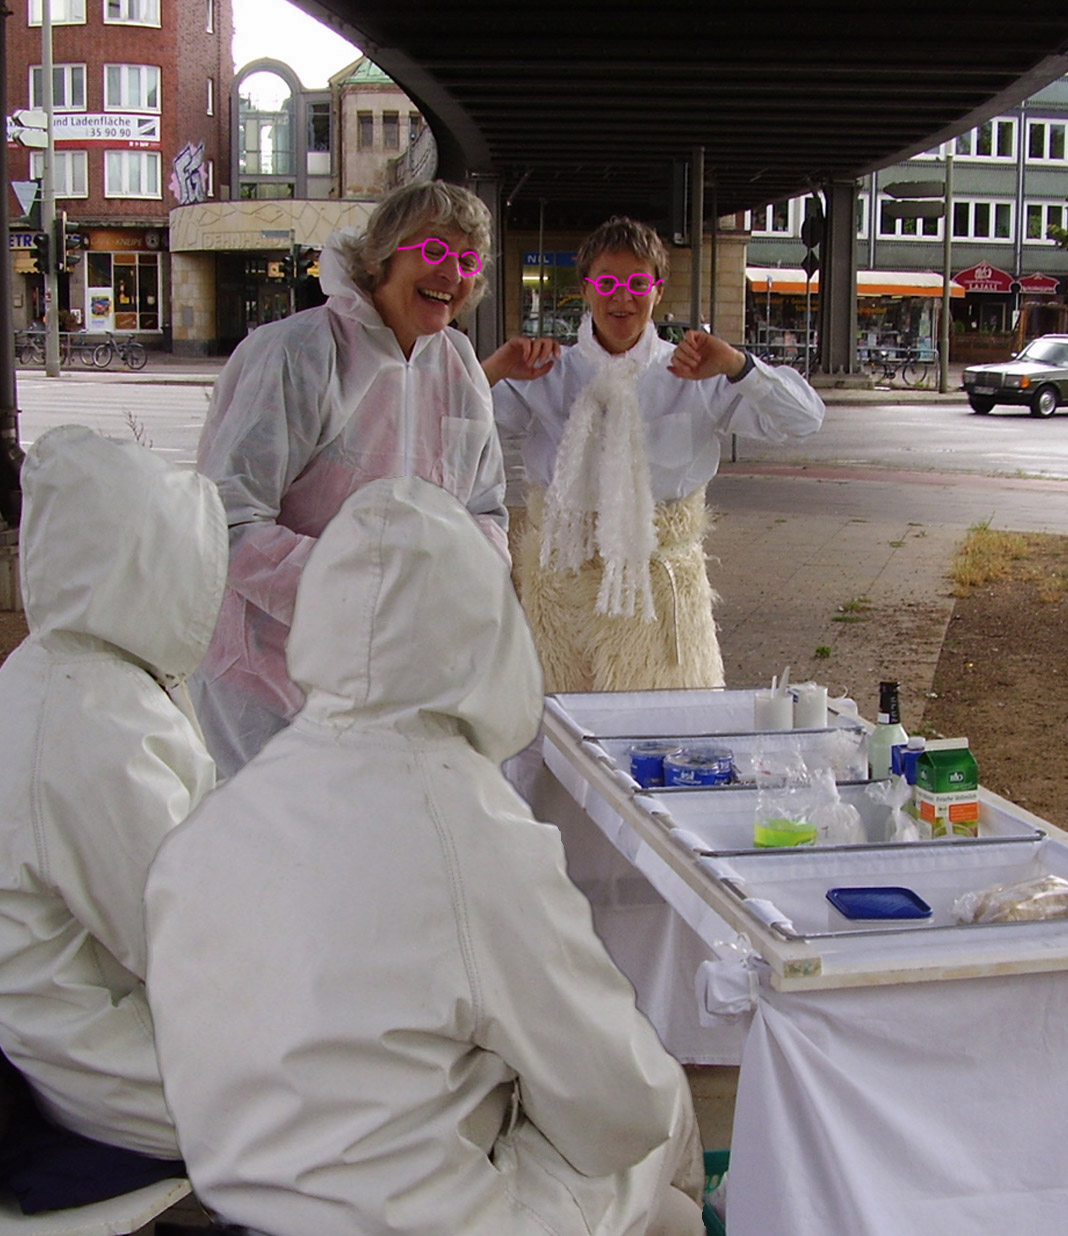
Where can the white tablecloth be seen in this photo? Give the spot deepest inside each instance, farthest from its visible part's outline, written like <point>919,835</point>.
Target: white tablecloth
<point>932,1109</point>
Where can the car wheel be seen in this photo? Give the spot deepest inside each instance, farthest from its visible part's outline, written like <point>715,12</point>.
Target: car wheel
<point>981,403</point>
<point>1044,401</point>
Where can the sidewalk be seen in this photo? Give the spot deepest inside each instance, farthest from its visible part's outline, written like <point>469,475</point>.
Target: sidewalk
<point>165,369</point>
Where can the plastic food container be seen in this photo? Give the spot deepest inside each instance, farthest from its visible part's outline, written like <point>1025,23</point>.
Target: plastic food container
<point>697,766</point>
<point>879,903</point>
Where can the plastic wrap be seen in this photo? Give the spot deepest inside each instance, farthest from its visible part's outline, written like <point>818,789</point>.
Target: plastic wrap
<point>1041,897</point>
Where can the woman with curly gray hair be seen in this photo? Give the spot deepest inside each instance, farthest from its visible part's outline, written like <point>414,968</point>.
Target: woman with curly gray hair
<point>374,383</point>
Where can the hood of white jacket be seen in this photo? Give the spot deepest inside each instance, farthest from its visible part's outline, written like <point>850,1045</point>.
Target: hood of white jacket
<point>117,544</point>
<point>406,617</point>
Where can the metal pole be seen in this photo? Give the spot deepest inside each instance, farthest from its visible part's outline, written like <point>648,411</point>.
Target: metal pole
<point>697,213</point>
<point>10,451</point>
<point>713,260</point>
<point>541,270</point>
<point>48,198</point>
<point>947,271</point>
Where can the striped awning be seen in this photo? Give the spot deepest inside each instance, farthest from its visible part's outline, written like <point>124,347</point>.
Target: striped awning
<point>788,280</point>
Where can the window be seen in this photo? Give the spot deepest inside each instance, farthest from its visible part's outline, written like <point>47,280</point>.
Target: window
<point>1046,142</point>
<point>70,173</point>
<point>64,12</point>
<point>131,87</point>
<point>391,130</point>
<point>209,188</point>
<point>318,126</point>
<point>132,12</point>
<point>131,173</point>
<point>996,139</point>
<point>209,16</point>
<point>365,131</point>
<point>209,106</point>
<point>415,125</point>
<point>68,87</point>
<point>979,220</point>
<point>773,220</point>
<point>906,229</point>
<point>863,204</point>
<point>1040,217</point>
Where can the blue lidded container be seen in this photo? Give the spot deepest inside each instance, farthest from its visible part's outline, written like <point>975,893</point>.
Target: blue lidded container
<point>647,761</point>
<point>699,766</point>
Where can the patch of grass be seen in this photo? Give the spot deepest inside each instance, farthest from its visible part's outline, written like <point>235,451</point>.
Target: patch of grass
<point>855,610</point>
<point>897,544</point>
<point>1053,588</point>
<point>986,555</point>
<point>822,652</point>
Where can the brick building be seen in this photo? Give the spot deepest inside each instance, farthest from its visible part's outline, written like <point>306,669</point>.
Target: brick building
<point>140,124</point>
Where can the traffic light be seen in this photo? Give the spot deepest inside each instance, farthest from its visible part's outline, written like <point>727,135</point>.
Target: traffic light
<point>67,244</point>
<point>307,263</point>
<point>287,268</point>
<point>42,252</point>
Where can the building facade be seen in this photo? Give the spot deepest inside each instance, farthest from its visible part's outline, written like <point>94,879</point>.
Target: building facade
<point>140,124</point>
<point>1009,185</point>
<point>304,163</point>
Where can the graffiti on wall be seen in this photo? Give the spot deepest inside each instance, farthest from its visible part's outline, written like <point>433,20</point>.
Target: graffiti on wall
<point>189,175</point>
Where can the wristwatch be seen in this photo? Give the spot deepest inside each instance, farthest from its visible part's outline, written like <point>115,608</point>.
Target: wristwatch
<point>748,367</point>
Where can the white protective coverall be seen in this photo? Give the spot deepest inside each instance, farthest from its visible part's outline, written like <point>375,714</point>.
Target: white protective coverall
<point>123,566</point>
<point>684,423</point>
<point>380,1003</point>
<point>306,411</point>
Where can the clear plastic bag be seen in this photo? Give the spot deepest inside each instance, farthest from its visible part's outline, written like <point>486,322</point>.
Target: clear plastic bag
<point>902,826</point>
<point>837,823</point>
<point>1032,900</point>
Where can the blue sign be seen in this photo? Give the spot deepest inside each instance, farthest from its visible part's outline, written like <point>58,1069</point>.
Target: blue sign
<point>551,259</point>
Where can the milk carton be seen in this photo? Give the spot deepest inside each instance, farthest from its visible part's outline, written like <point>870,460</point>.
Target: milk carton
<point>946,792</point>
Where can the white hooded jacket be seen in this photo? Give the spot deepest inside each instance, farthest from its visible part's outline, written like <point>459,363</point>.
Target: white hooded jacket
<point>306,411</point>
<point>363,948</point>
<point>123,564</point>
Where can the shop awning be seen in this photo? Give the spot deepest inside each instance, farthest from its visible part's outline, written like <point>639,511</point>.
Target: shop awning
<point>790,281</point>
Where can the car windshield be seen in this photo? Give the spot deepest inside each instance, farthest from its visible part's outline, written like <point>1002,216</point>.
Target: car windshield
<point>1049,351</point>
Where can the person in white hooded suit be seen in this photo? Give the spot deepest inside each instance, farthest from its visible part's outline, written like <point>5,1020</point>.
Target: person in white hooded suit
<point>380,1003</point>
<point>123,566</point>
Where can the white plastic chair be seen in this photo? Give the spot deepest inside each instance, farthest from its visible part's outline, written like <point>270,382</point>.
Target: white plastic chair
<point>116,1216</point>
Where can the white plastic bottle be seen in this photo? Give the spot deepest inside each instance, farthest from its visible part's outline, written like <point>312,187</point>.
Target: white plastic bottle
<point>887,734</point>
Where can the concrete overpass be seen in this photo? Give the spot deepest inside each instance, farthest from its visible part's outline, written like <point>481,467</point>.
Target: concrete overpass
<point>564,111</point>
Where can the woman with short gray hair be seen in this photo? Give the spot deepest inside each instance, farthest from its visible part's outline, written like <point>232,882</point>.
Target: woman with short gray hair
<point>374,383</point>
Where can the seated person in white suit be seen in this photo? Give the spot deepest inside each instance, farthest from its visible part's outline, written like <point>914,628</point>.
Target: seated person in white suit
<point>379,1001</point>
<point>123,562</point>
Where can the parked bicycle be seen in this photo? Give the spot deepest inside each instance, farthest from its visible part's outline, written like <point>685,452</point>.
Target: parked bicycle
<point>30,347</point>
<point>886,365</point>
<point>132,354</point>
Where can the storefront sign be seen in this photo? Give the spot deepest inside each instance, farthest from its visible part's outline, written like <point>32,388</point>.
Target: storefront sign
<point>1039,284</point>
<point>551,259</point>
<point>115,128</point>
<point>112,240</point>
<point>984,278</point>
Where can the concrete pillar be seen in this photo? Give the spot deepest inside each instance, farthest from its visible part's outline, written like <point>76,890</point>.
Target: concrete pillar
<point>486,325</point>
<point>837,316</point>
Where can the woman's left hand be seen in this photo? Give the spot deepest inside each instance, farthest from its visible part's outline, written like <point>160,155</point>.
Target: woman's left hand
<point>521,358</point>
<point>701,355</point>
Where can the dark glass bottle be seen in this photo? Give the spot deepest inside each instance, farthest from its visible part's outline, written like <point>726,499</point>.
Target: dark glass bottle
<point>888,732</point>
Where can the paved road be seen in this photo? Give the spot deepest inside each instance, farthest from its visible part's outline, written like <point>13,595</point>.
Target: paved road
<point>932,437</point>
<point>865,432</point>
<point>169,417</point>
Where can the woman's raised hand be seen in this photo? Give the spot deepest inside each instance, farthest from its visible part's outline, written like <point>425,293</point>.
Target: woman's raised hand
<point>521,358</point>
<point>701,355</point>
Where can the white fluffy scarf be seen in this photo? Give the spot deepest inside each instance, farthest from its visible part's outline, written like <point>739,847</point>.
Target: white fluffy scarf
<point>600,499</point>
